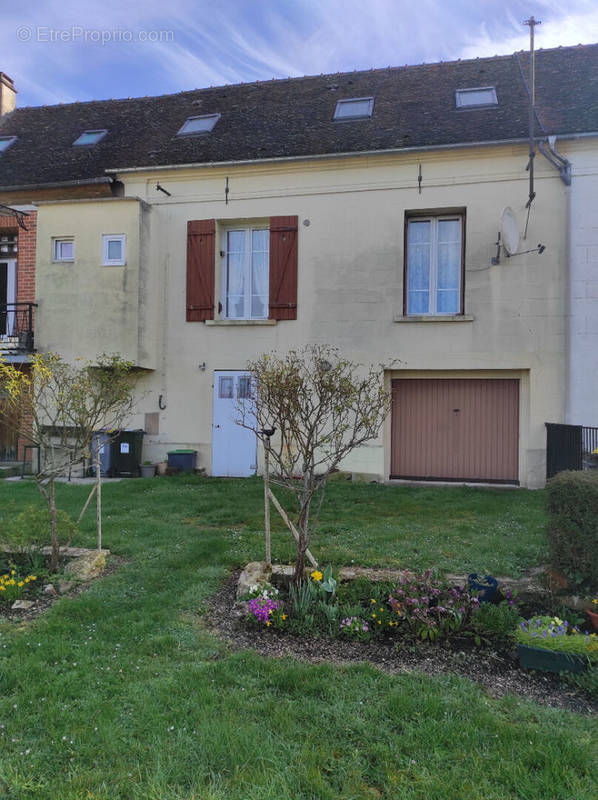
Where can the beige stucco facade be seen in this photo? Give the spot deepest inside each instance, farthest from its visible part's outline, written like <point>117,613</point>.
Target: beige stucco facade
<point>351,214</point>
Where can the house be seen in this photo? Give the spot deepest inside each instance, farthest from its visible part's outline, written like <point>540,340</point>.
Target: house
<point>190,232</point>
<point>17,281</point>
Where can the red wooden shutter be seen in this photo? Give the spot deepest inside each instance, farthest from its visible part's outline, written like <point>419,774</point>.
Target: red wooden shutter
<point>283,267</point>
<point>201,265</point>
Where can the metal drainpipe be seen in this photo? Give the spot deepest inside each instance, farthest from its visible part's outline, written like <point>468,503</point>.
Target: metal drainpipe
<point>547,148</point>
<point>568,310</point>
<point>556,159</point>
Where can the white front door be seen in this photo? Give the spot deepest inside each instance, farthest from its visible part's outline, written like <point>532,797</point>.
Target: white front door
<point>234,448</point>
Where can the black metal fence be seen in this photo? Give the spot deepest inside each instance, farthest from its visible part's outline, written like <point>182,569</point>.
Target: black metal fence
<point>570,447</point>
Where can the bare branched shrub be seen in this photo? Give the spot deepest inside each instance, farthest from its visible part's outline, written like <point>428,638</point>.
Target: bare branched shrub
<point>322,406</point>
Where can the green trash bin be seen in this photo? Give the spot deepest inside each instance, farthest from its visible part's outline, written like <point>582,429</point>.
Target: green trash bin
<point>125,453</point>
<point>183,460</point>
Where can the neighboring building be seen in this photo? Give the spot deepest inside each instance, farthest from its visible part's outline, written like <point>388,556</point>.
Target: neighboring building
<point>17,282</point>
<point>191,232</point>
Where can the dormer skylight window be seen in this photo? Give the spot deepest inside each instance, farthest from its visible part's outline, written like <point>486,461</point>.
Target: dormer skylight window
<point>354,108</point>
<point>6,141</point>
<point>89,138</point>
<point>476,98</point>
<point>202,124</point>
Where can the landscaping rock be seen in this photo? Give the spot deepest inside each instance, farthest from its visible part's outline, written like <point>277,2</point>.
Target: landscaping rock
<point>49,589</point>
<point>255,572</point>
<point>89,566</point>
<point>350,573</point>
<point>64,586</point>
<point>282,574</point>
<point>22,605</point>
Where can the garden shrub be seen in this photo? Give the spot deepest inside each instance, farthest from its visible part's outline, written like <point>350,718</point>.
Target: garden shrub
<point>495,621</point>
<point>573,526</point>
<point>29,532</point>
<point>430,607</point>
<point>360,591</point>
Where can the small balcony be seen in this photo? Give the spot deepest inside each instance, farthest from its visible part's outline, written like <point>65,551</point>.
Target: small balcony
<point>16,328</point>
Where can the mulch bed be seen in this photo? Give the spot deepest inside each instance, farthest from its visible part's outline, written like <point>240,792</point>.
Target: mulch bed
<point>496,671</point>
<point>45,601</point>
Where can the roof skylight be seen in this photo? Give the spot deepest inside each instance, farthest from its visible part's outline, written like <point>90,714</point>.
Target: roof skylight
<point>89,138</point>
<point>6,141</point>
<point>471,98</point>
<point>202,124</point>
<point>354,108</point>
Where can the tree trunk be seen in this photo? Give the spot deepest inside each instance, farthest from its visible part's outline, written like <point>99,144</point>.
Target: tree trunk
<point>53,526</point>
<point>302,544</point>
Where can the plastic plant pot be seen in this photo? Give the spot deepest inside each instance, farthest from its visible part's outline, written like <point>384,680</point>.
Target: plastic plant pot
<point>550,660</point>
<point>485,588</point>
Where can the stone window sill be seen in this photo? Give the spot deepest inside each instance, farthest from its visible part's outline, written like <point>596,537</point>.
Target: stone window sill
<point>434,318</point>
<point>233,322</point>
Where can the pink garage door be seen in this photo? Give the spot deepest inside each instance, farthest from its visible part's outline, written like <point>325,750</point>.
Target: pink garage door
<point>455,429</point>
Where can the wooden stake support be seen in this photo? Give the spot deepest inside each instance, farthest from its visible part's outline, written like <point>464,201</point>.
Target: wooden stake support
<point>290,526</point>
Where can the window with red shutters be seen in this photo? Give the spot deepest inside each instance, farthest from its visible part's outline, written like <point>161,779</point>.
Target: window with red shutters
<point>201,269</point>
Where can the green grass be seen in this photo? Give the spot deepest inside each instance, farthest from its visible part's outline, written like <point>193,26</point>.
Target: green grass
<point>121,693</point>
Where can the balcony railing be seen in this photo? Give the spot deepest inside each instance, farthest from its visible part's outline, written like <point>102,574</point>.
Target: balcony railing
<point>16,327</point>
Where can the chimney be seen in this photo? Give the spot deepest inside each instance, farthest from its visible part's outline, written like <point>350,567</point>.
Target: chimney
<point>8,94</point>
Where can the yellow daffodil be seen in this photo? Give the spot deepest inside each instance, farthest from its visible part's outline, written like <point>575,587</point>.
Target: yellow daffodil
<point>284,616</point>
<point>316,575</point>
<point>372,600</point>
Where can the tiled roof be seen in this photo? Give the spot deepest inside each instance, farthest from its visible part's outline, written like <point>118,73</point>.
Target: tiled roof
<point>414,107</point>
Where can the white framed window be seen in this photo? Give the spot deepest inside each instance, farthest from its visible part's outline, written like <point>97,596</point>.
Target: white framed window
<point>481,96</point>
<point>114,249</point>
<point>434,265</point>
<point>245,272</point>
<point>354,108</point>
<point>63,249</point>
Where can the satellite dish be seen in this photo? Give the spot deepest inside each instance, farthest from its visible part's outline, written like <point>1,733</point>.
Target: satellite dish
<point>509,231</point>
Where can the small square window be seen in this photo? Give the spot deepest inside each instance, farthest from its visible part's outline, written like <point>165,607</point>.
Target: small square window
<point>471,98</point>
<point>203,124</point>
<point>354,108</point>
<point>89,138</point>
<point>113,249</point>
<point>63,249</point>
<point>6,141</point>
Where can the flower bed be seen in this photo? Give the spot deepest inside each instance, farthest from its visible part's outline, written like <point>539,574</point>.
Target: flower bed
<point>420,607</point>
<point>414,608</point>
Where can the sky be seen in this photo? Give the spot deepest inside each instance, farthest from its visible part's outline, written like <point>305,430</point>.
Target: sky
<point>59,52</point>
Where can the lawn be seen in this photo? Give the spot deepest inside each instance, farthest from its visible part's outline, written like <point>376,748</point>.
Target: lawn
<point>120,693</point>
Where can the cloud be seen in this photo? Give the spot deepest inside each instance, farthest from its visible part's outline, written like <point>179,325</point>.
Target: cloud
<point>246,40</point>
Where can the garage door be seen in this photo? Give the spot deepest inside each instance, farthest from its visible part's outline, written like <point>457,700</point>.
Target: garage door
<point>455,429</point>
